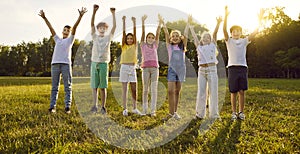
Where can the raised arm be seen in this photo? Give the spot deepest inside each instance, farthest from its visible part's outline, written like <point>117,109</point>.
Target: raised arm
<point>186,33</point>
<point>81,13</point>
<point>124,31</point>
<point>158,30</point>
<point>260,17</point>
<point>113,29</point>
<point>225,24</point>
<point>96,7</point>
<point>167,35</point>
<point>144,17</point>
<point>219,20</point>
<point>42,14</point>
<point>134,29</point>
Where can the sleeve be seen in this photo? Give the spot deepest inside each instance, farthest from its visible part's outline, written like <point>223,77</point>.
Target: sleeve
<point>55,38</point>
<point>246,41</point>
<point>71,39</point>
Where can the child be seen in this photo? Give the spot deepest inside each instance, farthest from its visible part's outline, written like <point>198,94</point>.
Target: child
<point>128,65</point>
<point>176,46</point>
<point>237,65</point>
<point>61,61</point>
<point>207,72</point>
<point>150,66</point>
<point>100,59</point>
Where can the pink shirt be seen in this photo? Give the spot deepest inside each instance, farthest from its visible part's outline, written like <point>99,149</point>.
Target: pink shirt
<point>149,55</point>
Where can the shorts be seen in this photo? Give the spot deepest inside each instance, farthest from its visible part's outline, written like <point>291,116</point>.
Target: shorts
<point>176,76</point>
<point>99,75</point>
<point>237,78</point>
<point>128,73</point>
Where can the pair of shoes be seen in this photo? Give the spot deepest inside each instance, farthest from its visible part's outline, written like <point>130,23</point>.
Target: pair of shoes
<point>176,116</point>
<point>103,110</point>
<point>125,112</point>
<point>136,111</point>
<point>67,110</point>
<point>233,116</point>
<point>94,109</point>
<point>52,110</point>
<point>242,116</point>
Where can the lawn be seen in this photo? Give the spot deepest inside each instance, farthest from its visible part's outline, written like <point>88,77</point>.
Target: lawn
<point>272,122</point>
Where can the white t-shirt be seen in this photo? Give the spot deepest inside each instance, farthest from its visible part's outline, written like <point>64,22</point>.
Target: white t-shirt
<point>101,48</point>
<point>237,51</point>
<point>207,54</point>
<point>62,50</point>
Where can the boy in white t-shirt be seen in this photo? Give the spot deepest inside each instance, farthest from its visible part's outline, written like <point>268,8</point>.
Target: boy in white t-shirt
<point>237,64</point>
<point>61,61</point>
<point>100,59</point>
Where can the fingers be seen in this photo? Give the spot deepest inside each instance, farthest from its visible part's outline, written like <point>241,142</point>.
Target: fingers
<point>112,9</point>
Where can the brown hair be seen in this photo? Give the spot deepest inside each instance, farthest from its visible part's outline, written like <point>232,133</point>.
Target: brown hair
<point>102,24</point>
<point>235,27</point>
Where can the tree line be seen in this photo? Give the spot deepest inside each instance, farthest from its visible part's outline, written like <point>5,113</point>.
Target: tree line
<point>274,53</point>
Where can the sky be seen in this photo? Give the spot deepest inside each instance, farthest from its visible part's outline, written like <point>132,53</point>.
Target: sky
<point>20,20</point>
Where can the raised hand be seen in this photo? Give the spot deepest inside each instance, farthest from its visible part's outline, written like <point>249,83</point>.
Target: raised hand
<point>112,10</point>
<point>42,14</point>
<point>219,19</point>
<point>133,19</point>
<point>83,11</point>
<point>190,19</point>
<point>96,7</point>
<point>160,18</point>
<point>123,18</point>
<point>261,15</point>
<point>144,17</point>
<point>226,11</point>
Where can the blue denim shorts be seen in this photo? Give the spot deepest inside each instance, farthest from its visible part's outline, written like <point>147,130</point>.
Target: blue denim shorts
<point>177,75</point>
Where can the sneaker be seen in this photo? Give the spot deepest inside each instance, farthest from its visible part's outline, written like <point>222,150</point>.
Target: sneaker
<point>67,110</point>
<point>103,110</point>
<point>52,110</point>
<point>177,116</point>
<point>169,116</point>
<point>197,116</point>
<point>125,112</point>
<point>136,111</point>
<point>153,114</point>
<point>241,116</point>
<point>233,116</point>
<point>94,109</point>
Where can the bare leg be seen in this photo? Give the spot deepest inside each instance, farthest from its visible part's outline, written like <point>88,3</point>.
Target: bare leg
<point>233,101</point>
<point>171,97</point>
<point>133,88</point>
<point>103,95</point>
<point>241,100</point>
<point>95,96</point>
<point>177,95</point>
<point>124,94</point>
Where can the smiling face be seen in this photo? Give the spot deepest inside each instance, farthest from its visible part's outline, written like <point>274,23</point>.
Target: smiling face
<point>129,39</point>
<point>101,30</point>
<point>175,37</point>
<point>66,32</point>
<point>206,38</point>
<point>150,38</point>
<point>236,32</point>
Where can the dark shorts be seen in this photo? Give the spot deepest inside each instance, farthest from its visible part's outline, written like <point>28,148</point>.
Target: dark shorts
<point>237,78</point>
<point>176,75</point>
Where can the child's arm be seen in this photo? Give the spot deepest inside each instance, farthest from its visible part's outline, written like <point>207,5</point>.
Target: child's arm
<point>186,34</point>
<point>81,13</point>
<point>113,29</point>
<point>196,40</point>
<point>144,17</point>
<point>42,14</point>
<point>134,29</point>
<point>260,17</point>
<point>96,7</point>
<point>219,20</point>
<point>158,30</point>
<point>167,35</point>
<point>225,24</point>
<point>124,31</point>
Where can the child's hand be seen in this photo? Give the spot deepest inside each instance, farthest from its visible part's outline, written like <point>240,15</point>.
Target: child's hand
<point>133,19</point>
<point>96,7</point>
<point>144,17</point>
<point>123,18</point>
<point>226,11</point>
<point>219,19</point>
<point>112,10</point>
<point>182,37</point>
<point>261,14</point>
<point>42,14</point>
<point>190,19</point>
<point>160,18</point>
<point>82,11</point>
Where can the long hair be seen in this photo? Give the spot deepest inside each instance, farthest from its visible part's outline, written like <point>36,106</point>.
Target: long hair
<point>129,34</point>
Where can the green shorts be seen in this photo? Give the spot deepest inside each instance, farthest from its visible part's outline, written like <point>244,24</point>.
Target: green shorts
<point>99,75</point>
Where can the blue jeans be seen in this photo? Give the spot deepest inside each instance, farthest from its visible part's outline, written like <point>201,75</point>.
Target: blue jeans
<point>56,71</point>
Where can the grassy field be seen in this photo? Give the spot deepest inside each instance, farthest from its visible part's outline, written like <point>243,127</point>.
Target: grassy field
<point>272,122</point>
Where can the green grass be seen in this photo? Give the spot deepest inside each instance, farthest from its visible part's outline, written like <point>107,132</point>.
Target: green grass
<point>272,120</point>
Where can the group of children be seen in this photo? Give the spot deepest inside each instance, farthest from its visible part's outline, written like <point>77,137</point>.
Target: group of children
<point>176,46</point>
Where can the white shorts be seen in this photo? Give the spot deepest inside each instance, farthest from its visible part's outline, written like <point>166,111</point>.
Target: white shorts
<point>128,73</point>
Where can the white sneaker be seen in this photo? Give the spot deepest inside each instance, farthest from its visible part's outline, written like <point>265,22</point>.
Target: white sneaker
<point>176,116</point>
<point>136,111</point>
<point>233,116</point>
<point>153,114</point>
<point>242,116</point>
<point>125,112</point>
